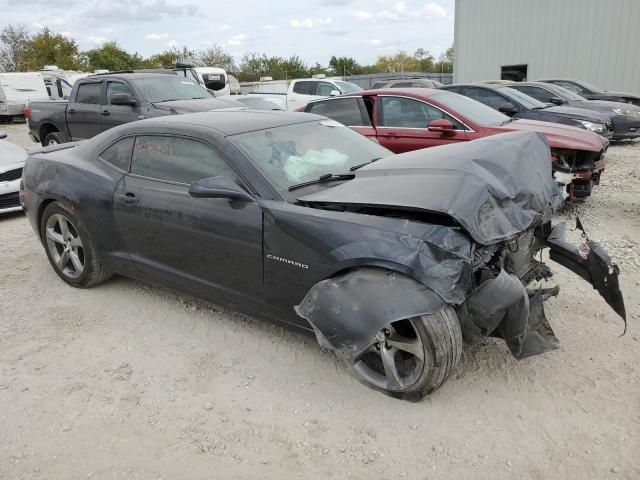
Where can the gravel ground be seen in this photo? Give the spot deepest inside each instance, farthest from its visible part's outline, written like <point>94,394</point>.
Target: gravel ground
<point>128,380</point>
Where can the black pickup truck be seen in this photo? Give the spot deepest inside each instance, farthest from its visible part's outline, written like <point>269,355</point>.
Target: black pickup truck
<point>100,102</point>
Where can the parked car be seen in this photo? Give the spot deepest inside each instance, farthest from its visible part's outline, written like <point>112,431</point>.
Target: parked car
<point>515,104</point>
<point>591,92</point>
<point>624,117</point>
<point>292,217</point>
<point>16,89</point>
<point>100,102</point>
<point>300,92</point>
<point>257,103</point>
<point>410,119</point>
<point>408,83</point>
<point>214,79</point>
<point>234,86</point>
<point>12,160</point>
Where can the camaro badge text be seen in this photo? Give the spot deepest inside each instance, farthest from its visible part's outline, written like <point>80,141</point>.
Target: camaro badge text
<point>286,260</point>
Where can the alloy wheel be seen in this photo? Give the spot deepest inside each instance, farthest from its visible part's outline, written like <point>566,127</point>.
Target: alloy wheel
<point>65,245</point>
<point>395,359</point>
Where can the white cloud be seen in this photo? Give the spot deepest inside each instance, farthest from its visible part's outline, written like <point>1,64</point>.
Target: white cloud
<point>237,40</point>
<point>305,23</point>
<point>172,43</point>
<point>221,28</point>
<point>269,27</point>
<point>397,13</point>
<point>375,42</point>
<point>97,40</point>
<point>362,14</point>
<point>156,36</point>
<point>325,21</point>
<point>434,10</point>
<point>67,34</point>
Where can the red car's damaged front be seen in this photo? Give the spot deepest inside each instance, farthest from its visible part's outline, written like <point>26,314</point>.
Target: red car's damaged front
<point>403,120</point>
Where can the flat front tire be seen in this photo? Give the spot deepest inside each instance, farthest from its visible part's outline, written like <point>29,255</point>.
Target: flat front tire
<point>411,358</point>
<point>70,248</point>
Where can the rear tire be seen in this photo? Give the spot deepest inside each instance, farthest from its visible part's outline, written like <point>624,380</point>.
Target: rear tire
<point>70,248</point>
<point>53,138</point>
<point>392,363</point>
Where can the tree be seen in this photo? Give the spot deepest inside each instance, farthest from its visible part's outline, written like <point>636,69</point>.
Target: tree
<point>399,62</point>
<point>111,57</point>
<point>445,61</point>
<point>344,66</point>
<point>14,43</point>
<point>216,57</point>
<point>252,66</point>
<point>425,60</point>
<point>48,48</point>
<point>170,57</point>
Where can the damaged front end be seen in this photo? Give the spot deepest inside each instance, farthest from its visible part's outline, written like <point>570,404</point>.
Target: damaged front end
<point>502,306</point>
<point>577,171</point>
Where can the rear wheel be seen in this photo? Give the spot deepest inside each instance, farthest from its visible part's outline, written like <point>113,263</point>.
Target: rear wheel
<point>69,248</point>
<point>411,358</point>
<point>53,138</point>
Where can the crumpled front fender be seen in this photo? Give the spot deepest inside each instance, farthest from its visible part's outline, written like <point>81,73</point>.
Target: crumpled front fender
<point>347,311</point>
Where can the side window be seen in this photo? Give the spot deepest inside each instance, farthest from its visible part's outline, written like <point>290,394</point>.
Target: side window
<point>572,87</point>
<point>343,110</point>
<point>486,96</point>
<point>177,159</point>
<point>455,90</point>
<point>305,88</point>
<point>89,93</point>
<point>119,154</point>
<point>117,88</point>
<point>402,85</point>
<point>539,94</point>
<point>408,113</point>
<point>324,89</point>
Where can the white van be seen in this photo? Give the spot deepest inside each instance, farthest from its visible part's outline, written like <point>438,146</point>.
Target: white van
<point>215,79</point>
<point>18,88</point>
<point>59,82</point>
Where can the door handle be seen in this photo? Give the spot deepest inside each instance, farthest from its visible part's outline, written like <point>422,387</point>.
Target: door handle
<point>71,111</point>
<point>106,113</point>
<point>128,198</point>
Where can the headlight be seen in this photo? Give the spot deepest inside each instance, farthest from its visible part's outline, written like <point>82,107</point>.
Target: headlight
<point>626,112</point>
<point>594,127</point>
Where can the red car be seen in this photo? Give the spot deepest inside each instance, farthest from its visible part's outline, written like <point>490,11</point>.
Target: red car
<point>409,119</point>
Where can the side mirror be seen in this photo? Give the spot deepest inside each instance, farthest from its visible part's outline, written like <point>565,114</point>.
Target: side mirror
<point>123,99</point>
<point>507,108</point>
<point>335,93</point>
<point>443,126</point>
<point>556,100</point>
<point>219,187</point>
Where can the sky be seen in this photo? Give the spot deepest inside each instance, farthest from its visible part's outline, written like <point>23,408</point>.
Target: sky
<point>312,29</point>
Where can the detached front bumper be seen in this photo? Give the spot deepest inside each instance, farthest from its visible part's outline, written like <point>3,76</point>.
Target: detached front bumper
<point>503,307</point>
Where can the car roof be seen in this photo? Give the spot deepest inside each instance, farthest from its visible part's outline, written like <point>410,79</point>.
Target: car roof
<point>128,75</point>
<point>533,84</point>
<point>488,86</point>
<point>415,92</point>
<point>233,122</point>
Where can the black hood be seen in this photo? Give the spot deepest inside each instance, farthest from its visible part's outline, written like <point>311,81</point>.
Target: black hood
<point>198,105</point>
<point>578,114</point>
<point>494,188</point>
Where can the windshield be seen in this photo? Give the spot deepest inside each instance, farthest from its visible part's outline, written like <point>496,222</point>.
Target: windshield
<point>526,101</point>
<point>302,152</point>
<point>258,103</point>
<point>475,111</point>
<point>588,86</point>
<point>564,93</point>
<point>165,88</point>
<point>348,87</point>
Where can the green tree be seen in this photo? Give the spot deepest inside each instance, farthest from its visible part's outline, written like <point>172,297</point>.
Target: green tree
<point>48,48</point>
<point>111,57</point>
<point>344,66</point>
<point>399,62</point>
<point>14,44</point>
<point>318,69</point>
<point>170,57</point>
<point>424,60</point>
<point>445,61</point>
<point>252,66</point>
<point>216,57</point>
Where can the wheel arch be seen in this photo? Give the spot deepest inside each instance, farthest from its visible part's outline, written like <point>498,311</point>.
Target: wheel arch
<point>47,128</point>
<point>347,309</point>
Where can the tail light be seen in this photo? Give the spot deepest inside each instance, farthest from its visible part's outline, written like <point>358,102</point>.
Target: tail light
<point>22,195</point>
<point>27,110</point>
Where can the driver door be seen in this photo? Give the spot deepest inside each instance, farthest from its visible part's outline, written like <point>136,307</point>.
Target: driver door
<point>210,245</point>
<point>402,125</point>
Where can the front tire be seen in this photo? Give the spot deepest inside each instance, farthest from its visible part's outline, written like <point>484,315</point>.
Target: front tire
<point>411,358</point>
<point>70,248</point>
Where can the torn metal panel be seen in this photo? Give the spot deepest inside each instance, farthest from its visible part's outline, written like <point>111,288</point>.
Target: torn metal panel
<point>347,311</point>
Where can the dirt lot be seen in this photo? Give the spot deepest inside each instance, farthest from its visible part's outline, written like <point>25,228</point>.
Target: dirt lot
<point>128,380</point>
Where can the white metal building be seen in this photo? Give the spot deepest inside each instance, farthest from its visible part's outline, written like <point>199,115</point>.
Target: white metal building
<point>593,40</point>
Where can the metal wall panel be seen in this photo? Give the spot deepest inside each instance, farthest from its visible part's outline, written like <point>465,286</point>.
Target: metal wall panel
<point>594,40</point>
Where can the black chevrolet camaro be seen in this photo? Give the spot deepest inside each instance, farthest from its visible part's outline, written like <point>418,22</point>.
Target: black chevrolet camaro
<point>389,259</point>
